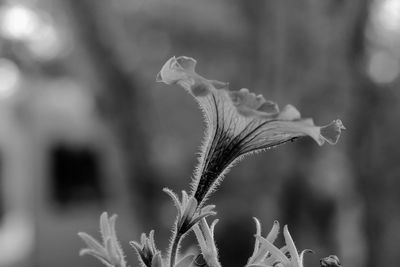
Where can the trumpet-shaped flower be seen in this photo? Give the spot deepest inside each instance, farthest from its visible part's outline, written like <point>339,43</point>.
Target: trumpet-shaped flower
<point>109,252</point>
<point>266,254</point>
<point>238,122</point>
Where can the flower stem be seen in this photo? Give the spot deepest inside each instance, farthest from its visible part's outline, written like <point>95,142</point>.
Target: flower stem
<point>174,248</point>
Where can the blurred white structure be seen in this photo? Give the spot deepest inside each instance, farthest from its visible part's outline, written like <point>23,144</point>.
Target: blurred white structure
<point>50,130</point>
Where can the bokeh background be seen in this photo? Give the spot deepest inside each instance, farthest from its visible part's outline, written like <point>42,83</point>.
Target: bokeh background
<point>84,127</point>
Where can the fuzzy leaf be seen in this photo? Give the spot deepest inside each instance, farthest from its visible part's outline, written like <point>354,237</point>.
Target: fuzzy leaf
<point>175,200</point>
<point>105,228</point>
<point>273,250</point>
<point>261,253</point>
<point>92,243</point>
<point>157,261</point>
<point>294,255</point>
<point>273,234</point>
<point>185,261</point>
<point>256,243</point>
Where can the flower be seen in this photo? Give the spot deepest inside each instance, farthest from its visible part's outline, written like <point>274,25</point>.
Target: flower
<point>109,252</point>
<point>267,255</point>
<point>238,123</point>
<point>147,252</point>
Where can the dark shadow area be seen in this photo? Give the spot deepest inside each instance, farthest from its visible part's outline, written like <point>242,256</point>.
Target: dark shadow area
<point>75,176</point>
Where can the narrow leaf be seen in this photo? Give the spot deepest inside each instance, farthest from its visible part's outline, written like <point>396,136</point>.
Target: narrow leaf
<point>185,261</point>
<point>275,252</point>
<point>92,243</point>
<point>105,228</point>
<point>273,234</point>
<point>156,261</point>
<point>175,200</point>
<point>294,255</point>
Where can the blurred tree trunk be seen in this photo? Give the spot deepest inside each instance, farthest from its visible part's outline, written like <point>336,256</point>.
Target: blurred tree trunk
<point>121,103</point>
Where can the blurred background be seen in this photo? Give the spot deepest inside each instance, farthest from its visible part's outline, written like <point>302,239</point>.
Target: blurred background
<point>84,127</point>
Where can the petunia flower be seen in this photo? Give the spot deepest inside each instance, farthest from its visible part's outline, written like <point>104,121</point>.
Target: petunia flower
<point>109,252</point>
<point>266,254</point>
<point>238,123</point>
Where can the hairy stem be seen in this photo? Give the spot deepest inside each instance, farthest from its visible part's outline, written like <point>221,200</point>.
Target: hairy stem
<point>174,248</point>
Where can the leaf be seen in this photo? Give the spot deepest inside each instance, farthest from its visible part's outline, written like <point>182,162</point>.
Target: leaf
<point>275,252</point>
<point>157,261</point>
<point>95,255</point>
<point>92,243</point>
<point>256,242</point>
<point>175,200</point>
<point>262,251</point>
<point>105,228</point>
<point>185,261</point>
<point>112,252</point>
<point>273,234</point>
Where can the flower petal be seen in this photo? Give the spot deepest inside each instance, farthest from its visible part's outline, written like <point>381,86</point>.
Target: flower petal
<point>289,113</point>
<point>331,132</point>
<point>187,63</point>
<point>249,104</point>
<point>272,133</point>
<point>170,72</point>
